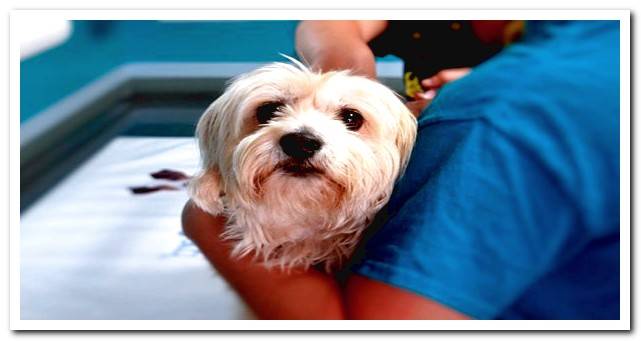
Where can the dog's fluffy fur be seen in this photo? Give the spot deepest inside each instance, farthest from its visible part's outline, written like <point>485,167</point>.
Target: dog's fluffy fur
<point>300,220</point>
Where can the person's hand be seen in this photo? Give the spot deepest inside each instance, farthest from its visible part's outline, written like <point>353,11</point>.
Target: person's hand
<point>433,84</point>
<point>443,77</point>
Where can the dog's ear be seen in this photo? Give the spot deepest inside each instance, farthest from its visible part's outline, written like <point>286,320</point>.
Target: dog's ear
<point>406,134</point>
<point>206,192</point>
<point>206,187</point>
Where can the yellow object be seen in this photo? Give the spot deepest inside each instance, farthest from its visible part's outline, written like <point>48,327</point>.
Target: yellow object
<point>412,84</point>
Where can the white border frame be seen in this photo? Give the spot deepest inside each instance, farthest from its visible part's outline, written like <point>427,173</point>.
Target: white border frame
<point>625,166</point>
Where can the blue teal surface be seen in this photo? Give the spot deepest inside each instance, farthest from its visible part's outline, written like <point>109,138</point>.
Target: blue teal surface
<point>509,208</point>
<point>97,47</point>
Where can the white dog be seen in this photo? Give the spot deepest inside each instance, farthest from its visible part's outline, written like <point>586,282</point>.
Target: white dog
<point>299,162</point>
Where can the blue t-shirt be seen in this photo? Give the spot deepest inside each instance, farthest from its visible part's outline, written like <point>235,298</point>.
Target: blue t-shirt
<point>509,208</point>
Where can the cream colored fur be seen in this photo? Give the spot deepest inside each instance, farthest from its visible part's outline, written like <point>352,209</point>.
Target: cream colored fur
<point>291,221</point>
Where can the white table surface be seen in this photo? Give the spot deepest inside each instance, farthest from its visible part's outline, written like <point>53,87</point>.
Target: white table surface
<point>90,249</point>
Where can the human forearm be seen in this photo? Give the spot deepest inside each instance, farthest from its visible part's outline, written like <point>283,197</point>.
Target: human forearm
<point>271,294</point>
<point>338,45</point>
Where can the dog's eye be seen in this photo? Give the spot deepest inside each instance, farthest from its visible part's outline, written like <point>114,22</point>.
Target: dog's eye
<point>266,111</point>
<point>352,118</point>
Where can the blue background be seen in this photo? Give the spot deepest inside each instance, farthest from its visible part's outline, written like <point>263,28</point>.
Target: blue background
<point>97,47</point>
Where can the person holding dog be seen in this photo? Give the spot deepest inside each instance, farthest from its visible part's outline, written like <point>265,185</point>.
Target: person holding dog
<point>509,207</point>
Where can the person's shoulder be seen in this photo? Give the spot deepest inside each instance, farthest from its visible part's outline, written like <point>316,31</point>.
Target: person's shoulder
<point>529,86</point>
<point>555,68</point>
<point>470,99</point>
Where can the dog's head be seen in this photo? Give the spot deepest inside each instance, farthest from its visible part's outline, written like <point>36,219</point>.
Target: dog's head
<point>291,140</point>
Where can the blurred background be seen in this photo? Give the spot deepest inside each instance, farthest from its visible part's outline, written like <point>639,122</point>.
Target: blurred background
<point>108,112</point>
<point>59,57</point>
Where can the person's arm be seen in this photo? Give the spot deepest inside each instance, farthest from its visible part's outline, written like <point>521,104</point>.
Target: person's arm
<point>273,294</point>
<point>368,299</point>
<point>337,45</point>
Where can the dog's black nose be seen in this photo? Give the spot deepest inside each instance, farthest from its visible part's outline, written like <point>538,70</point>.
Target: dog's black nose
<point>301,145</point>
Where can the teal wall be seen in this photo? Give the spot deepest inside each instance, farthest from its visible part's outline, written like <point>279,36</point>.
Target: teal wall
<point>97,47</point>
